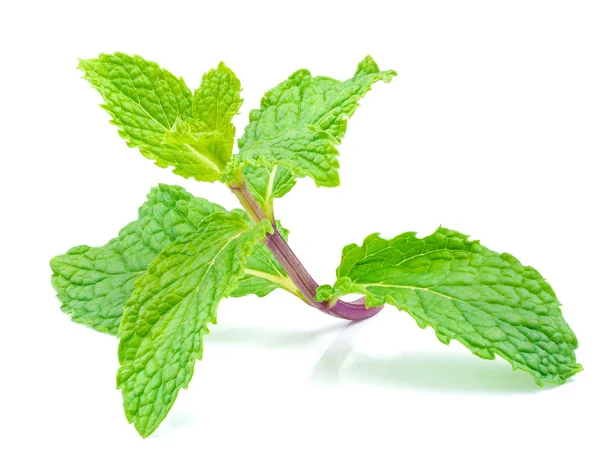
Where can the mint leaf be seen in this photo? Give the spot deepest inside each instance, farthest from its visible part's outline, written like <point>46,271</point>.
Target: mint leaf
<point>145,102</point>
<point>210,131</point>
<point>303,100</point>
<point>264,274</point>
<point>303,153</point>
<point>216,101</point>
<point>169,312</point>
<point>93,283</point>
<point>486,300</point>
<point>267,184</point>
<point>299,123</point>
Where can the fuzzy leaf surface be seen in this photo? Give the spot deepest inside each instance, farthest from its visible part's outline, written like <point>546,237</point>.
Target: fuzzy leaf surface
<point>298,125</point>
<point>267,184</point>
<point>215,103</point>
<point>303,153</point>
<point>145,102</point>
<point>169,311</point>
<point>93,283</point>
<point>488,301</point>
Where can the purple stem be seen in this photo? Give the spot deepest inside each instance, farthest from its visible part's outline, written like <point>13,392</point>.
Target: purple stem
<point>355,310</point>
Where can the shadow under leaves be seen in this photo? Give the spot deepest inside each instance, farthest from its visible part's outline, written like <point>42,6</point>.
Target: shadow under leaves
<point>440,371</point>
<point>261,337</point>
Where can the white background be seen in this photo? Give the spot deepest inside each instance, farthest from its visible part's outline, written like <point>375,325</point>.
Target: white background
<point>490,128</point>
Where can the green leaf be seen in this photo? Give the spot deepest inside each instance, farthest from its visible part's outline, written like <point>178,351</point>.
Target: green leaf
<point>169,312</point>
<point>264,274</point>
<point>93,283</point>
<point>303,100</point>
<point>486,300</point>
<point>210,131</point>
<point>299,123</point>
<point>145,102</point>
<point>267,184</point>
<point>216,101</point>
<point>305,152</point>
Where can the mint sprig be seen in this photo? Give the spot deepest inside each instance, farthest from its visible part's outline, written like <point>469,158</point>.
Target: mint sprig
<point>158,284</point>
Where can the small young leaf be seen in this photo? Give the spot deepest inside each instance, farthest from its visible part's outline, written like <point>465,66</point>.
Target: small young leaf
<point>169,312</point>
<point>488,301</point>
<point>216,101</point>
<point>93,283</point>
<point>210,131</point>
<point>303,110</point>
<point>267,184</point>
<point>264,274</point>
<point>145,101</point>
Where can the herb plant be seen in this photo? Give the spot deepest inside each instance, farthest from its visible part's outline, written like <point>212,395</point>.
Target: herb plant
<point>157,285</point>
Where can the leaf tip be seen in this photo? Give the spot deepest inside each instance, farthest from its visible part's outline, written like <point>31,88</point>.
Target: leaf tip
<point>223,67</point>
<point>80,64</point>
